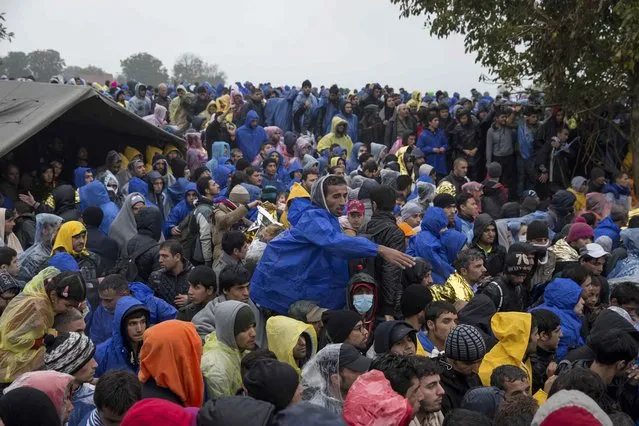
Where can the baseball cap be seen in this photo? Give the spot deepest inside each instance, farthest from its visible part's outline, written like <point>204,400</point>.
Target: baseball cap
<point>351,358</point>
<point>593,250</point>
<point>355,206</point>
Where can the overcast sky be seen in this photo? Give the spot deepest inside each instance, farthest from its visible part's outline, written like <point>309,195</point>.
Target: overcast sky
<point>350,42</point>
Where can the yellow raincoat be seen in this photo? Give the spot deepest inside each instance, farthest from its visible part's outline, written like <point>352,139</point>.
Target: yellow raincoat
<point>580,203</point>
<point>512,329</point>
<point>170,148</point>
<point>297,191</point>
<point>283,333</point>
<point>455,288</point>
<point>130,152</point>
<point>23,324</point>
<point>64,238</point>
<point>400,159</point>
<point>150,152</point>
<point>223,104</point>
<point>328,140</point>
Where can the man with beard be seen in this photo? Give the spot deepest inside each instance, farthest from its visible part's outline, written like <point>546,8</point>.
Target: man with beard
<point>485,240</point>
<point>505,290</point>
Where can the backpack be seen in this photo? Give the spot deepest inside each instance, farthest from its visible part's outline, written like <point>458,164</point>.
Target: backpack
<point>126,265</point>
<point>190,233</point>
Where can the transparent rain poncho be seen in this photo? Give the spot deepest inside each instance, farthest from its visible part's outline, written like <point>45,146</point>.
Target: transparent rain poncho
<point>33,259</point>
<point>316,380</point>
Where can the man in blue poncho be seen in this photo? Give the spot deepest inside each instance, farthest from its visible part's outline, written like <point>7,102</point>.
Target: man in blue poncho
<point>309,260</point>
<point>251,135</point>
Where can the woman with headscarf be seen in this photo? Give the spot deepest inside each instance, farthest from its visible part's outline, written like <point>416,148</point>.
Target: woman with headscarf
<point>303,146</point>
<point>28,406</point>
<point>7,237</point>
<point>29,317</point>
<point>170,363</point>
<point>124,227</point>
<point>32,259</point>
<point>196,155</point>
<point>57,386</point>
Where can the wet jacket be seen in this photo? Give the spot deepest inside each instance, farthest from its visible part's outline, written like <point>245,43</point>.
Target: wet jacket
<point>331,138</point>
<point>560,296</point>
<point>103,246</point>
<point>456,385</point>
<point>167,286</point>
<point>65,203</point>
<point>427,141</point>
<point>95,194</point>
<point>495,259</point>
<point>236,411</point>
<point>505,296</point>
<point>478,313</point>
<point>283,333</point>
<point>308,261</point>
<point>428,245</point>
<point>249,140</point>
<point>145,244</point>
<point>466,137</point>
<point>138,104</point>
<point>113,354</point>
<point>382,229</point>
<point>609,229</point>
<point>179,212</point>
<point>221,356</point>
<point>455,288</point>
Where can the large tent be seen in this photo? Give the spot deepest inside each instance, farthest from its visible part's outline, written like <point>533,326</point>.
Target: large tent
<point>28,108</point>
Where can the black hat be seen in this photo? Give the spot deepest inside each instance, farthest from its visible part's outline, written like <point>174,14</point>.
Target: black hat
<point>351,358</point>
<point>465,343</point>
<point>339,325</point>
<point>444,200</point>
<point>415,299</point>
<point>537,229</point>
<point>203,275</point>
<point>243,320</point>
<point>272,381</point>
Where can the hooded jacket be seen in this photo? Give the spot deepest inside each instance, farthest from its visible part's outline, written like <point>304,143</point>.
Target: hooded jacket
<point>382,229</point>
<point>78,176</point>
<point>283,333</point>
<point>495,258</point>
<point>610,229</point>
<point>221,357</point>
<point>353,124</point>
<point>65,203</point>
<point>145,244</point>
<point>309,260</point>
<point>428,244</point>
<point>138,104</point>
<point>456,385</point>
<point>363,279</point>
<point>113,354</point>
<point>179,212</point>
<point>160,200</point>
<point>478,312</point>
<point>352,163</point>
<point>331,138</point>
<point>249,140</point>
<point>32,259</point>
<point>560,296</point>
<point>236,411</point>
<point>219,150</point>
<point>427,142</point>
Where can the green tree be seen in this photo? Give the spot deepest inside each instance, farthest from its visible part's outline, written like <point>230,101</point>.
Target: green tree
<point>15,64</point>
<point>75,71</point>
<point>5,34</point>
<point>191,68</point>
<point>145,68</point>
<point>45,63</point>
<point>584,53</point>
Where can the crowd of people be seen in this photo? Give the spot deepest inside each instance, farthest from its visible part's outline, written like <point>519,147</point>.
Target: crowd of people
<point>320,256</point>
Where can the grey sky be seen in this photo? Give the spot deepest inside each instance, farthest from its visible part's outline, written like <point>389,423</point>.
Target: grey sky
<point>350,42</point>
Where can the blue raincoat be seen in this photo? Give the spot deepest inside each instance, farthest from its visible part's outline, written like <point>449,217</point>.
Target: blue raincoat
<point>427,141</point>
<point>78,176</point>
<point>222,172</point>
<point>352,163</point>
<point>112,353</point>
<point>249,140</point>
<point>428,244</point>
<point>95,194</point>
<point>453,242</point>
<point>219,149</point>
<point>175,192</point>
<point>628,267</point>
<point>179,212</point>
<point>608,228</point>
<point>560,296</point>
<point>308,261</point>
<point>305,119</point>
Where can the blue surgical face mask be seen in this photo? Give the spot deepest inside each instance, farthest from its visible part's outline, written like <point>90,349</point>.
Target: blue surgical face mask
<point>363,303</point>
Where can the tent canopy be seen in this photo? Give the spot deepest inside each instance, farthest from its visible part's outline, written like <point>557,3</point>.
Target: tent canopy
<point>26,108</point>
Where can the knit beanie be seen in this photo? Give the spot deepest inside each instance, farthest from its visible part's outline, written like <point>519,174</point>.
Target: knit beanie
<point>517,264</point>
<point>494,170</point>
<point>239,195</point>
<point>579,230</point>
<point>339,324</point>
<point>68,352</point>
<point>243,320</point>
<point>415,299</point>
<point>410,209</point>
<point>272,381</point>
<point>537,229</point>
<point>465,343</point>
<point>570,407</point>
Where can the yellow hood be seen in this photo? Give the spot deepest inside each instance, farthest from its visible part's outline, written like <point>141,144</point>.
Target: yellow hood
<point>283,333</point>
<point>130,152</point>
<point>297,191</point>
<point>150,152</point>
<point>223,103</point>
<point>168,149</point>
<point>337,120</point>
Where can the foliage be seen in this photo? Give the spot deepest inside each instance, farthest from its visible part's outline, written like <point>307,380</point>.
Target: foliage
<point>145,68</point>
<point>15,64</point>
<point>45,63</point>
<point>191,68</point>
<point>4,31</point>
<point>76,71</point>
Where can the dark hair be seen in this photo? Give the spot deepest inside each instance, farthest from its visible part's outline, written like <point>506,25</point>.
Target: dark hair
<point>308,172</point>
<point>582,379</point>
<point>370,166</point>
<point>590,218</point>
<point>634,222</point>
<point>67,318</point>
<point>254,357</point>
<point>624,293</point>
<point>204,276</point>
<point>547,321</point>
<point>436,309</point>
<point>233,240</point>
<point>362,159</point>
<point>306,83</point>
<point>462,198</point>
<point>6,255</point>
<point>332,180</point>
<point>117,390</point>
<point>403,182</point>
<point>233,275</point>
<point>519,410</point>
<point>426,366</point>
<point>506,373</point>
<point>466,256</point>
<point>612,346</point>
<point>173,246</point>
<point>237,178</point>
<point>113,282</point>
<point>577,273</point>
<point>333,169</point>
<point>241,164</point>
<point>68,285</point>
<point>384,198</point>
<point>619,418</point>
<point>461,416</point>
<point>203,184</point>
<point>619,213</point>
<point>333,89</point>
<point>250,170</point>
<point>268,161</point>
<point>399,371</point>
<point>93,216</point>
